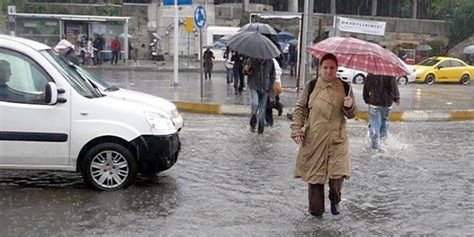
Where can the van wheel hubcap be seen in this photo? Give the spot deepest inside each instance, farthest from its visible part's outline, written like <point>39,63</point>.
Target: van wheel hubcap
<point>109,169</point>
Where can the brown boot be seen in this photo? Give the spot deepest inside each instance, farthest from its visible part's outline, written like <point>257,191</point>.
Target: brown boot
<point>335,186</point>
<point>316,199</point>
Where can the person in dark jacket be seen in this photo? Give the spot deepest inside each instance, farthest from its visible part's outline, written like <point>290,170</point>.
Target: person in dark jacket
<point>238,74</point>
<point>261,82</point>
<point>98,45</point>
<point>208,57</point>
<point>293,59</point>
<point>380,92</point>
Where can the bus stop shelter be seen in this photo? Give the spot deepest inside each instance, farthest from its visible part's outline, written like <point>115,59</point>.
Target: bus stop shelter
<point>51,28</point>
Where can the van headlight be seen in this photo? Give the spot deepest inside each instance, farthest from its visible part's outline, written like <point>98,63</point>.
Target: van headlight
<point>158,121</point>
<point>174,113</point>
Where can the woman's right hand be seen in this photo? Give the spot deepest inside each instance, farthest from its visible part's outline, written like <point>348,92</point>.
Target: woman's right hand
<point>298,138</point>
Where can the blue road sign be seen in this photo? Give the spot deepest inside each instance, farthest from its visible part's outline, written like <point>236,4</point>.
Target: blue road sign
<point>200,17</point>
<point>180,2</point>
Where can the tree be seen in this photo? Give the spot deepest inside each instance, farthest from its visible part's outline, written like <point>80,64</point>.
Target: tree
<point>20,5</point>
<point>462,22</point>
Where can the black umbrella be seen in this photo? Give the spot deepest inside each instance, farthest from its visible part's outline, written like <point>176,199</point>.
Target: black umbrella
<point>424,47</point>
<point>469,49</point>
<point>259,27</point>
<point>293,42</point>
<point>254,45</point>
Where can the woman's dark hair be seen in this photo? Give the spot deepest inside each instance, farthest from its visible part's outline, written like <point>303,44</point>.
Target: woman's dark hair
<point>329,56</point>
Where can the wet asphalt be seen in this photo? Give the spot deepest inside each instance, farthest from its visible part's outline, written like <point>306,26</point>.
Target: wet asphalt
<point>230,182</point>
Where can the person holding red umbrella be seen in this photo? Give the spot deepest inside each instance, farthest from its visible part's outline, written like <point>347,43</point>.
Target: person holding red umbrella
<point>319,127</point>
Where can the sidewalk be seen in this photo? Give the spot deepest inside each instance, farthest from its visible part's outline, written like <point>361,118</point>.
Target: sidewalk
<point>420,102</point>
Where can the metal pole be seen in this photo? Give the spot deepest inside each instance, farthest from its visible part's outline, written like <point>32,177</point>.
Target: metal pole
<point>320,32</point>
<point>303,57</point>
<point>189,56</point>
<point>300,55</point>
<point>176,44</point>
<point>200,63</point>
<point>309,39</point>
<point>125,41</point>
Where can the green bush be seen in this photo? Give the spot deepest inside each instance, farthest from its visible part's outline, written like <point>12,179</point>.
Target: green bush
<point>439,47</point>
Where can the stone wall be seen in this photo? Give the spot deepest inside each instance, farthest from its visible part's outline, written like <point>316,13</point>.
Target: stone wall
<point>398,30</point>
<point>137,26</point>
<point>457,51</point>
<point>230,13</point>
<point>3,24</point>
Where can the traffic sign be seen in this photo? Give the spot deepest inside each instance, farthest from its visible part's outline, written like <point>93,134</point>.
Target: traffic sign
<point>200,17</point>
<point>188,24</point>
<point>180,2</point>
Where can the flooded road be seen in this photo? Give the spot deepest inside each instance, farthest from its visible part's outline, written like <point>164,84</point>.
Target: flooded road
<point>228,181</point>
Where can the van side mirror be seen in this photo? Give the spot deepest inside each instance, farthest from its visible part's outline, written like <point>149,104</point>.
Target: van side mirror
<point>51,93</point>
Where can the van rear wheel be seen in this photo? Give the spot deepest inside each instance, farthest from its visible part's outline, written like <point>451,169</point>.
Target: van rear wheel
<point>108,167</point>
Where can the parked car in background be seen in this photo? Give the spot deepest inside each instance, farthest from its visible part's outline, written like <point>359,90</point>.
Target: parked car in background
<point>404,80</point>
<point>443,69</point>
<point>351,75</point>
<point>358,77</point>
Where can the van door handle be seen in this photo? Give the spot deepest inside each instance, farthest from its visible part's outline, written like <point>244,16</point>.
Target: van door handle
<point>84,113</point>
<point>61,90</point>
<point>62,100</point>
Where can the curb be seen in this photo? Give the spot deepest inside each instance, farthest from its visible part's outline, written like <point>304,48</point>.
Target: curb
<point>201,108</point>
<point>395,116</point>
<point>425,116</point>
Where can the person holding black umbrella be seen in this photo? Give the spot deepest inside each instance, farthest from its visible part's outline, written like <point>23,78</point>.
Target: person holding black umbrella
<point>208,57</point>
<point>261,82</point>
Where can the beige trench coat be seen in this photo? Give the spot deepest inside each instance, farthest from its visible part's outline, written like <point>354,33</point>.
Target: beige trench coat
<point>324,153</point>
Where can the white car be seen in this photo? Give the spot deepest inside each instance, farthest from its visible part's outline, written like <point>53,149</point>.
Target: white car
<point>358,77</point>
<point>54,119</point>
<point>351,75</point>
<point>409,78</point>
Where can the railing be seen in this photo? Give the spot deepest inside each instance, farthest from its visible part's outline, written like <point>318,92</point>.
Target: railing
<point>79,1</point>
<point>138,1</point>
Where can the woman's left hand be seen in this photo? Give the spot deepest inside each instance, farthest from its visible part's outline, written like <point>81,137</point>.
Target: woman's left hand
<point>348,102</point>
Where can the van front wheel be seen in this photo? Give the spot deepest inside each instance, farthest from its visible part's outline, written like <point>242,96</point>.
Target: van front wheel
<point>108,167</point>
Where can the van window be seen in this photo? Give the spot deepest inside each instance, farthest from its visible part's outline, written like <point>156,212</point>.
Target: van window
<point>21,79</point>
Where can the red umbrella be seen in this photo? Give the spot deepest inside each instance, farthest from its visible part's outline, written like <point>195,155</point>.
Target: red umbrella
<point>360,55</point>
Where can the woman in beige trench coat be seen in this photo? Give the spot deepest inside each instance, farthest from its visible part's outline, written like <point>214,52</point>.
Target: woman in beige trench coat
<point>319,126</point>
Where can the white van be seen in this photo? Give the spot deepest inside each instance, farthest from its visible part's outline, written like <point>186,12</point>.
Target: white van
<point>217,36</point>
<point>52,118</point>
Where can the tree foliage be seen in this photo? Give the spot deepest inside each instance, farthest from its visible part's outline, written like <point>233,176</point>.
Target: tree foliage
<point>463,22</point>
<point>20,5</point>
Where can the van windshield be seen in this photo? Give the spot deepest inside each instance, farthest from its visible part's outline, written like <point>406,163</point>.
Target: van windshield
<point>81,86</point>
<point>99,83</point>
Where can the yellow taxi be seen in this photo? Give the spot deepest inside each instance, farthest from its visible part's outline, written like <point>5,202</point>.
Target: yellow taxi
<point>443,69</point>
